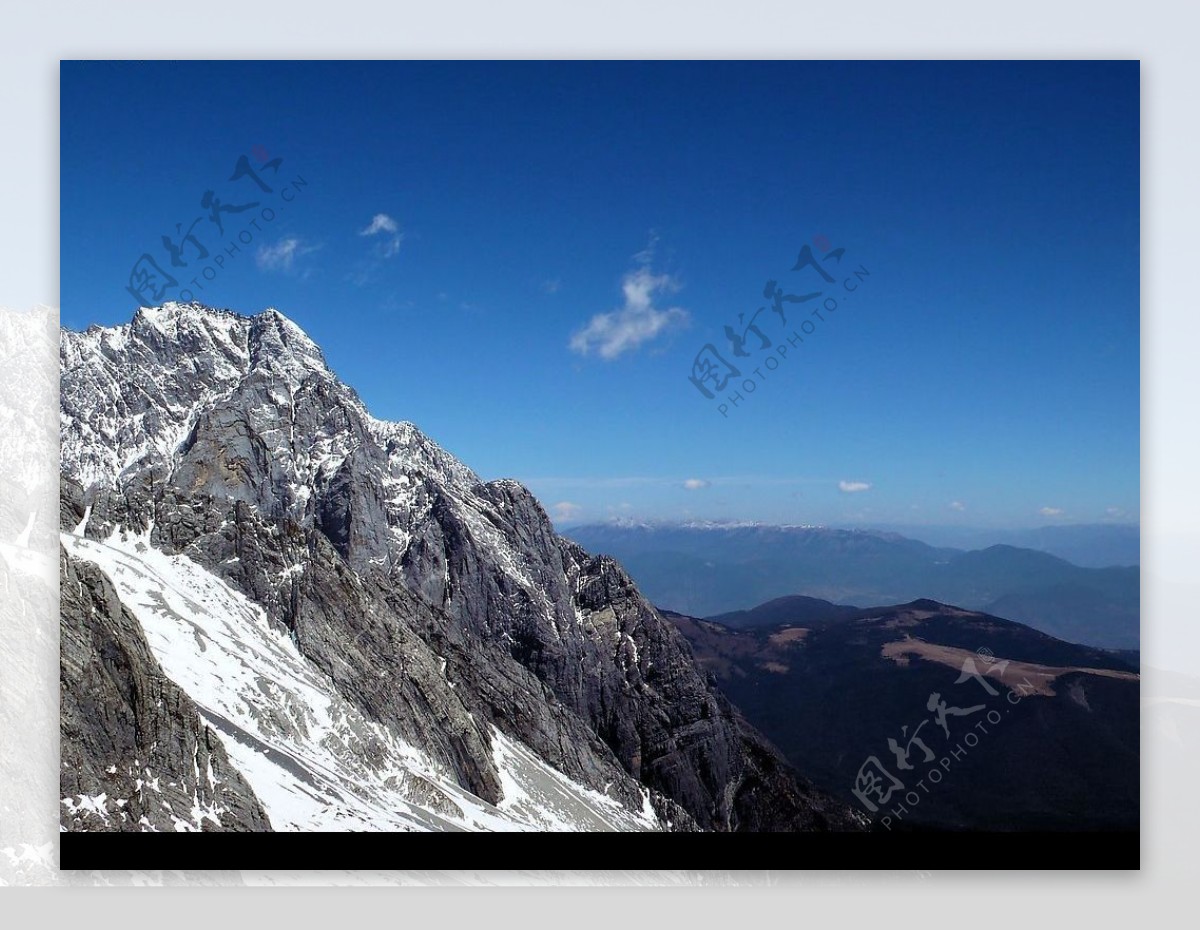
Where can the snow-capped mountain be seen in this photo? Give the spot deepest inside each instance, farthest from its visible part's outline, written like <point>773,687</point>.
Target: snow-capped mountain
<point>353,629</point>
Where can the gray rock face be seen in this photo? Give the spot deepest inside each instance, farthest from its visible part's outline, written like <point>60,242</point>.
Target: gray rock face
<point>434,601</point>
<point>135,754</point>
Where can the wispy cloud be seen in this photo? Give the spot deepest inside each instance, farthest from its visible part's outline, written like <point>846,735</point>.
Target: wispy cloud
<point>853,487</point>
<point>646,255</point>
<point>381,222</point>
<point>551,285</point>
<point>566,510</point>
<point>695,484</point>
<point>1051,511</point>
<point>388,230</point>
<point>638,321</point>
<point>958,505</point>
<point>283,254</point>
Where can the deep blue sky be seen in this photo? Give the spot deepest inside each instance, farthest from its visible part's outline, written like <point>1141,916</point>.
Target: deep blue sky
<point>986,373</point>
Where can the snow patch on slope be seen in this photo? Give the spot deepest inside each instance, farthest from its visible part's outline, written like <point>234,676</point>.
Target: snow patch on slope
<point>315,762</point>
<point>534,791</point>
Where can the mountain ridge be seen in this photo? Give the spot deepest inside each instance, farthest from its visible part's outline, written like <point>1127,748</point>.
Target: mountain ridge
<point>1054,727</point>
<point>719,569</point>
<point>439,606</point>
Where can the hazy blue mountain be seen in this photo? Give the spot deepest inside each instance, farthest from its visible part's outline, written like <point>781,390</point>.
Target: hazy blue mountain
<point>711,569</point>
<point>1091,545</point>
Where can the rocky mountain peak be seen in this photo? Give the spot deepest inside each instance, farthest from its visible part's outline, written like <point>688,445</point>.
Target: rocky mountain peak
<point>444,608</point>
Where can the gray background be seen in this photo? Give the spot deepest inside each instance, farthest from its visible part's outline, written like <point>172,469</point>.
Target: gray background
<point>1162,35</point>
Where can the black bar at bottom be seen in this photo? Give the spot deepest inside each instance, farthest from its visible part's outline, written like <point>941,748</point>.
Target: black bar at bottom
<point>880,850</point>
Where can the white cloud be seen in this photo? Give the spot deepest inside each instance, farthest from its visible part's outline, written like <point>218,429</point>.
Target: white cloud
<point>551,285</point>
<point>957,505</point>
<point>381,222</point>
<point>612,334</point>
<point>1115,511</point>
<point>283,254</point>
<point>695,484</point>
<point>383,225</point>
<point>1051,512</point>
<point>565,510</point>
<point>853,487</point>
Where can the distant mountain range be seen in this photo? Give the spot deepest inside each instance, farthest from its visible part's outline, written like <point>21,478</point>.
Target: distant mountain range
<point>1044,735</point>
<point>706,570</point>
<point>1091,545</point>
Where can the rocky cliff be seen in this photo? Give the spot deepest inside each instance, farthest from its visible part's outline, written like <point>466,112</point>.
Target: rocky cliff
<point>441,612</point>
